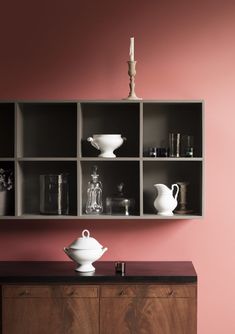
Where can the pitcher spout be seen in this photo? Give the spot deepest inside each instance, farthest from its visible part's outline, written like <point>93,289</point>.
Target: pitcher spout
<point>162,187</point>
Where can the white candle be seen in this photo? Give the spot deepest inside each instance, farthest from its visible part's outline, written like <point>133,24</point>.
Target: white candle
<point>132,51</point>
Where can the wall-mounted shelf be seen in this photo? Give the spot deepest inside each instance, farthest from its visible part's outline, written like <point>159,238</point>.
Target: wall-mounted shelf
<point>50,137</point>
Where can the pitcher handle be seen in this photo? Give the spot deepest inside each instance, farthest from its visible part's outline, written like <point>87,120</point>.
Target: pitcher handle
<point>93,143</point>
<point>177,190</point>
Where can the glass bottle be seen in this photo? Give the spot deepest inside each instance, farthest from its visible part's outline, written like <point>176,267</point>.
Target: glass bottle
<point>54,194</point>
<point>94,194</point>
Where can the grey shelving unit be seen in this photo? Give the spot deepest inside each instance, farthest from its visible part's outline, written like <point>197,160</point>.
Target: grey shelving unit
<point>50,137</point>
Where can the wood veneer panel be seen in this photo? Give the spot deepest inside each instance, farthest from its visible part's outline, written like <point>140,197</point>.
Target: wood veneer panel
<point>148,315</point>
<point>148,290</point>
<point>29,291</point>
<point>50,315</point>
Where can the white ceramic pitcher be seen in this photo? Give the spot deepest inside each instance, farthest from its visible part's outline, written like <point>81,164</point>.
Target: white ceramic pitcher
<point>165,201</point>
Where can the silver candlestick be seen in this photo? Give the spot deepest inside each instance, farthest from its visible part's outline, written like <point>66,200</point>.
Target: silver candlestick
<point>132,73</point>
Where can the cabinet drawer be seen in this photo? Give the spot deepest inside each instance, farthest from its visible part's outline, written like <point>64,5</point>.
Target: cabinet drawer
<point>167,291</point>
<point>118,291</point>
<point>151,290</point>
<point>40,291</point>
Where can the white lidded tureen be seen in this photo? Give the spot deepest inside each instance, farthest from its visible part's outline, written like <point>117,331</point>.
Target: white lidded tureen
<point>106,143</point>
<point>84,251</point>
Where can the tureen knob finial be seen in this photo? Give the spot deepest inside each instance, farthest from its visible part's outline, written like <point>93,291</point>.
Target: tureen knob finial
<point>85,234</point>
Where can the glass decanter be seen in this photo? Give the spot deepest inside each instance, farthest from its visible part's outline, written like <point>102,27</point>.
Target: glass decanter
<point>94,194</point>
<point>119,204</point>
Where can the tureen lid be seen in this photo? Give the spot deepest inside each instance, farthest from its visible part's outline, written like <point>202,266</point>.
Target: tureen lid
<point>85,242</point>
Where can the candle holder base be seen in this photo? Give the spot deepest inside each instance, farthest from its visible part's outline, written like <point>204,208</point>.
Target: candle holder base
<point>132,72</point>
<point>183,212</point>
<point>133,98</point>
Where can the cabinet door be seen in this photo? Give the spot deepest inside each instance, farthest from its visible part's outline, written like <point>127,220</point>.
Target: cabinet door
<point>150,310</point>
<point>148,316</point>
<point>31,312</point>
<point>117,316</point>
<point>165,316</point>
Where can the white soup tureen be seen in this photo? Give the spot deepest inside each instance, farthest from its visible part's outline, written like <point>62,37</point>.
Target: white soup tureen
<point>106,143</point>
<point>84,251</point>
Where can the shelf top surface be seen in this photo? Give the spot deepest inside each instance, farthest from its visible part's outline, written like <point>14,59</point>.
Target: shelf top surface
<point>102,101</point>
<point>64,271</point>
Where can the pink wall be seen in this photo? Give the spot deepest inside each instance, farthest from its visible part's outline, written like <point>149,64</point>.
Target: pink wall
<point>185,50</point>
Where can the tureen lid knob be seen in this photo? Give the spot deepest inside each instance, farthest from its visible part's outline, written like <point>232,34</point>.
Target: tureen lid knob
<point>85,234</point>
<point>85,242</point>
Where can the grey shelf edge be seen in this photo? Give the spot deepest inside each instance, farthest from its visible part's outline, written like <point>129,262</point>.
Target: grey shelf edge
<point>99,217</point>
<point>99,159</point>
<point>105,101</point>
<point>109,159</point>
<point>141,168</point>
<point>47,159</point>
<point>173,159</point>
<point>79,153</point>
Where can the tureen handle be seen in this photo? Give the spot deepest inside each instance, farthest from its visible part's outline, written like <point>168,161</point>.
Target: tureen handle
<point>93,143</point>
<point>85,234</point>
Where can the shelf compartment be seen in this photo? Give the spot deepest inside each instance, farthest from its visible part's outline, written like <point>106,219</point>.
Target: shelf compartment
<point>111,174</point>
<point>111,118</point>
<point>160,119</point>
<point>29,184</point>
<point>47,130</point>
<point>7,197</point>
<point>7,135</point>
<point>169,173</point>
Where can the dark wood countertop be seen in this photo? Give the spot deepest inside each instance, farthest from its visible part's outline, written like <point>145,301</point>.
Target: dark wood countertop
<point>63,272</point>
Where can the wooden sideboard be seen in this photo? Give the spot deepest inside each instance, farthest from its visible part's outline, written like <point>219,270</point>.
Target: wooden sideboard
<point>151,297</point>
